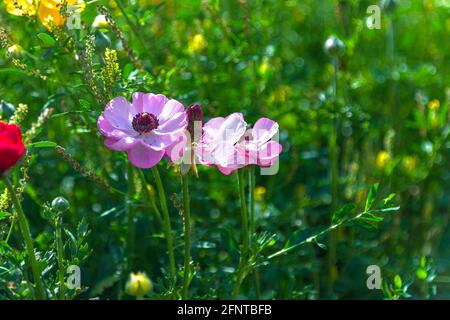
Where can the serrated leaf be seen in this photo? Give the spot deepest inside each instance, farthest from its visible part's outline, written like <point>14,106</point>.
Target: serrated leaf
<point>371,196</point>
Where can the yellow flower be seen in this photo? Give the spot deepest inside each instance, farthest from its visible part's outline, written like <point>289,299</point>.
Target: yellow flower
<point>264,67</point>
<point>434,104</point>
<point>260,191</point>
<point>410,162</point>
<point>382,159</point>
<point>138,285</point>
<point>197,43</point>
<point>21,7</point>
<point>48,11</point>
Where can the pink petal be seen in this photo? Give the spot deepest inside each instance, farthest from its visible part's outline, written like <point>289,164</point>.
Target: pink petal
<point>226,171</point>
<point>171,108</point>
<point>264,129</point>
<point>118,114</point>
<point>177,149</point>
<point>121,144</point>
<point>159,142</point>
<point>211,127</point>
<point>144,157</point>
<point>269,153</point>
<point>231,130</point>
<point>149,102</point>
<point>177,123</point>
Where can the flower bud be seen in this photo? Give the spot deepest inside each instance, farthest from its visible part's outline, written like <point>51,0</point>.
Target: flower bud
<point>138,285</point>
<point>60,204</point>
<point>334,46</point>
<point>195,121</point>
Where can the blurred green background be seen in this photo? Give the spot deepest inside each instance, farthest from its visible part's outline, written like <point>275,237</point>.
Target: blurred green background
<point>264,59</point>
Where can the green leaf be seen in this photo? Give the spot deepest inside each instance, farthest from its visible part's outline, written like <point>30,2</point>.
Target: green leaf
<point>398,282</point>
<point>43,144</point>
<point>48,39</point>
<point>371,196</point>
<point>4,215</point>
<point>84,104</point>
<point>343,212</point>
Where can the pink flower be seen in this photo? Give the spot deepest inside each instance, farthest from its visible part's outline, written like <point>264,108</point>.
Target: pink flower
<point>257,147</point>
<point>228,145</point>
<point>217,146</point>
<point>144,128</point>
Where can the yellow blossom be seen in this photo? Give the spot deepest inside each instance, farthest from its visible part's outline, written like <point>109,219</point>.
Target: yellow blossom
<point>138,285</point>
<point>197,43</point>
<point>382,159</point>
<point>434,104</point>
<point>48,11</point>
<point>264,67</point>
<point>410,162</point>
<point>260,191</point>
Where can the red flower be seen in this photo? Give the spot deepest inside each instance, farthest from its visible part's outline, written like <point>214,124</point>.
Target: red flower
<point>11,146</point>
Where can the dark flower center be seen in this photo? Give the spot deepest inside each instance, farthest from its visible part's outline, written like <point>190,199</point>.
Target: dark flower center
<point>145,122</point>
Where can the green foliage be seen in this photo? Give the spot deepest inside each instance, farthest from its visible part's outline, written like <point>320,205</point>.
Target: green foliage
<point>390,118</point>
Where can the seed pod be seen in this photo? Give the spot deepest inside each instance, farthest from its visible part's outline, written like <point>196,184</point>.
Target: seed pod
<point>334,46</point>
<point>60,204</point>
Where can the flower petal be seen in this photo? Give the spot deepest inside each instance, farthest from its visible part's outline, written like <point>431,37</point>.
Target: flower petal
<point>121,144</point>
<point>144,157</point>
<point>149,102</point>
<point>171,108</point>
<point>118,113</point>
<point>177,123</point>
<point>176,150</point>
<point>264,129</point>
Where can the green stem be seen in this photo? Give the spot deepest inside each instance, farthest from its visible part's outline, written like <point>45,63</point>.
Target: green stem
<point>245,235</point>
<point>251,197</point>
<point>167,226</point>
<point>334,181</point>
<point>59,248</point>
<point>24,227</point>
<point>187,235</point>
<point>151,198</point>
<point>133,27</point>
<point>130,212</point>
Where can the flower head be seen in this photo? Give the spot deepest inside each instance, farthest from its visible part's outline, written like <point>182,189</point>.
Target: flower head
<point>227,144</point>
<point>257,147</point>
<point>11,146</point>
<point>138,284</point>
<point>217,146</point>
<point>48,11</point>
<point>145,128</point>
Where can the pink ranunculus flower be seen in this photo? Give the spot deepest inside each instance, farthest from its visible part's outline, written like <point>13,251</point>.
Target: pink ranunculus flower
<point>144,128</point>
<point>257,146</point>
<point>217,146</point>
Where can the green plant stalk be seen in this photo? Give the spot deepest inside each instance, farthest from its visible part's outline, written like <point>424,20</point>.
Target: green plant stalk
<point>24,227</point>
<point>151,198</point>
<point>131,24</point>
<point>334,182</point>
<point>167,226</point>
<point>187,235</point>
<point>245,235</point>
<point>59,249</point>
<point>131,216</point>
<point>251,197</point>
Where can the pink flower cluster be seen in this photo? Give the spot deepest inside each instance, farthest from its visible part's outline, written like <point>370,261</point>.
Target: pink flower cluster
<point>153,126</point>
